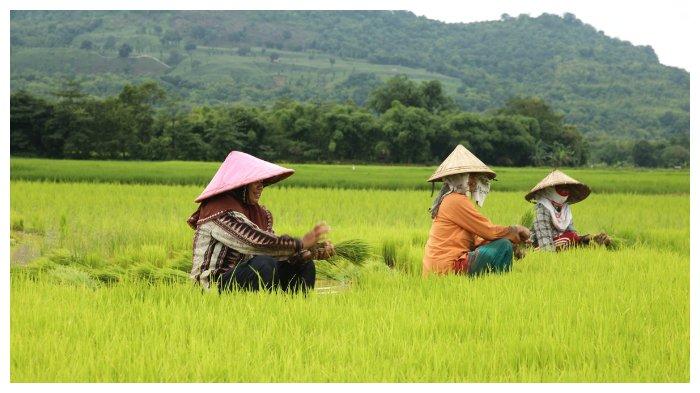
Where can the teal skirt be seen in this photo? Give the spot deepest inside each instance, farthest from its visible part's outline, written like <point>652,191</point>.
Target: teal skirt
<point>496,256</point>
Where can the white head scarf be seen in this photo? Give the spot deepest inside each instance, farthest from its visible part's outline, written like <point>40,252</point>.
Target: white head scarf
<point>549,198</point>
<point>459,183</point>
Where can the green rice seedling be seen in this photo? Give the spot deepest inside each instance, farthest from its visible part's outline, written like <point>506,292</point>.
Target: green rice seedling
<point>326,270</point>
<point>35,268</point>
<point>355,251</point>
<point>171,276</point>
<point>527,218</point>
<point>181,261</point>
<point>155,255</point>
<point>62,256</point>
<point>552,318</point>
<point>109,274</point>
<point>389,252</point>
<point>409,259</point>
<point>68,275</point>
<point>145,272</point>
<point>340,176</point>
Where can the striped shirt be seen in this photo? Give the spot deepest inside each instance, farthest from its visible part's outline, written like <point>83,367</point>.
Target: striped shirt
<point>222,241</point>
<point>543,230</point>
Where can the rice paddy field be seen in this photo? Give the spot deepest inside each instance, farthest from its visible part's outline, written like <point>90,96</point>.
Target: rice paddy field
<point>99,289</point>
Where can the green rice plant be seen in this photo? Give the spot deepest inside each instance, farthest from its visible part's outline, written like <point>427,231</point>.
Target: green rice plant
<point>69,275</point>
<point>181,261</point>
<point>601,180</point>
<point>409,259</point>
<point>527,218</point>
<point>326,270</point>
<point>389,252</point>
<point>553,318</point>
<point>61,256</point>
<point>145,272</point>
<point>355,251</point>
<point>108,275</point>
<point>155,255</point>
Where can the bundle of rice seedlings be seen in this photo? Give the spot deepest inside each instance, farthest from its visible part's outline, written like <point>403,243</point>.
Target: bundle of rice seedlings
<point>35,268</point>
<point>355,251</point>
<point>389,253</point>
<point>330,271</point>
<point>145,272</point>
<point>71,276</point>
<point>171,276</point>
<point>181,262</point>
<point>527,218</point>
<point>109,274</point>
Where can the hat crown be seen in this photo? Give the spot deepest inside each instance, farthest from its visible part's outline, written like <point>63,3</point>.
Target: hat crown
<point>580,191</point>
<point>239,169</point>
<point>461,160</point>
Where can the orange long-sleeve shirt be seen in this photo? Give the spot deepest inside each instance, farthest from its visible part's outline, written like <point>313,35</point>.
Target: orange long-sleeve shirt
<point>457,228</point>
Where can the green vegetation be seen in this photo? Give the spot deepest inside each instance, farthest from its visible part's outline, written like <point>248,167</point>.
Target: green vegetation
<point>404,122</point>
<point>108,259</point>
<point>610,89</point>
<point>345,176</point>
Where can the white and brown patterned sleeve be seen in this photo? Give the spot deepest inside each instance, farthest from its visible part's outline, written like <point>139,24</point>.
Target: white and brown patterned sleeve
<point>237,232</point>
<point>542,229</point>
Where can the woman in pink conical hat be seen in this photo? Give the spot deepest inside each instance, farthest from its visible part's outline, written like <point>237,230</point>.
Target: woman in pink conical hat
<point>234,243</point>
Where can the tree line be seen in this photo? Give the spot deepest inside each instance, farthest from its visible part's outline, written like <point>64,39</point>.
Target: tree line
<point>402,122</point>
<point>605,86</point>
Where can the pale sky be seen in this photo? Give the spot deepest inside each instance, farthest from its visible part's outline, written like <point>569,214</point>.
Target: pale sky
<point>664,24</point>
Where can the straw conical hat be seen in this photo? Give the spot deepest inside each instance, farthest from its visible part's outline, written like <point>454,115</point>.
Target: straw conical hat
<point>461,160</point>
<point>579,191</point>
<point>239,169</point>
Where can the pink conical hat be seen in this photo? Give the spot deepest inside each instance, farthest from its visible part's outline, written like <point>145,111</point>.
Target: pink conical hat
<point>239,169</point>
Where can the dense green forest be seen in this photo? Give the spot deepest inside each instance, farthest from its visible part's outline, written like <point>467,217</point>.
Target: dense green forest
<point>402,122</point>
<point>612,92</point>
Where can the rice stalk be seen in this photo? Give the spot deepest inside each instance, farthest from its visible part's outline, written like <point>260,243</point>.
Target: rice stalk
<point>355,251</point>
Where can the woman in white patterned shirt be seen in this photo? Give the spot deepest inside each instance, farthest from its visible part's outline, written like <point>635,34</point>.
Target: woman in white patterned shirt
<point>553,225</point>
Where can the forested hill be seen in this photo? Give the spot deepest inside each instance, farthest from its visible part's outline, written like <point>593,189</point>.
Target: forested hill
<point>604,86</point>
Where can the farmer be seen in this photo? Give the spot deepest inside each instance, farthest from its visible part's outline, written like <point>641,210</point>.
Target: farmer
<point>553,226</point>
<point>461,239</point>
<point>234,243</point>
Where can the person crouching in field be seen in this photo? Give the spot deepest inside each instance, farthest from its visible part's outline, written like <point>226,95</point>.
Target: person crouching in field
<point>234,243</point>
<point>461,239</point>
<point>553,225</point>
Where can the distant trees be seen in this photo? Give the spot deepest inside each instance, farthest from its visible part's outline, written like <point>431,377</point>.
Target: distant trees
<point>171,38</point>
<point>602,85</point>
<point>86,44</point>
<point>644,154</point>
<point>243,50</point>
<point>561,144</point>
<point>174,58</point>
<point>426,95</point>
<point>420,126</point>
<point>125,50</point>
<point>110,43</point>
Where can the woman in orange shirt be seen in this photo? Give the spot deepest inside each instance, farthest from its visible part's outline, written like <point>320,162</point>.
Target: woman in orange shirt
<point>461,239</point>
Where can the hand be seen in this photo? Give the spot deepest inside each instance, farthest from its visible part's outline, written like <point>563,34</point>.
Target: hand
<point>324,251</point>
<point>602,239</point>
<point>314,235</point>
<point>523,234</point>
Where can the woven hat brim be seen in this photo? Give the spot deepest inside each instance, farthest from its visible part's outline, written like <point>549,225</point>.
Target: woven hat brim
<point>466,169</point>
<point>578,191</point>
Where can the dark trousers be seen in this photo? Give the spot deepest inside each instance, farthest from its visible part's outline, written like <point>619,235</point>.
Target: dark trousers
<point>264,272</point>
